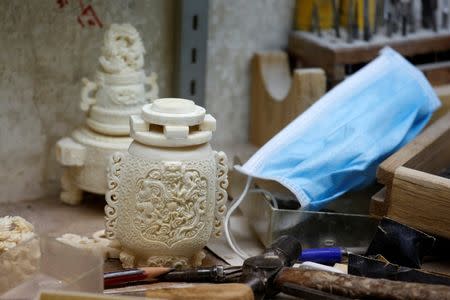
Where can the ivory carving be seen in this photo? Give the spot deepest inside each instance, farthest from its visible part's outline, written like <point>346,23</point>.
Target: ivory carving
<point>166,196</point>
<point>97,244</point>
<point>118,91</point>
<point>19,251</point>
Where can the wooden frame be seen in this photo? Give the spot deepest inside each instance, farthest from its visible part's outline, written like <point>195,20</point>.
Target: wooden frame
<point>414,193</point>
<point>277,97</point>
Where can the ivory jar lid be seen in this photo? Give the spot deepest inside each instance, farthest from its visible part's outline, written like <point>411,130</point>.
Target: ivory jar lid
<point>172,122</point>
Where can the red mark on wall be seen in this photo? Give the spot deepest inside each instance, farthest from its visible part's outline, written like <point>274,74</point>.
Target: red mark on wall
<point>87,16</point>
<point>62,3</point>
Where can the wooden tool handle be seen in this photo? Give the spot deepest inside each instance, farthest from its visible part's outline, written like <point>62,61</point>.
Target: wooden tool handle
<point>204,292</point>
<point>361,287</point>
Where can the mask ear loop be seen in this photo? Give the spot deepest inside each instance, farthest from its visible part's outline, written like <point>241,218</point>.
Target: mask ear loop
<point>231,209</point>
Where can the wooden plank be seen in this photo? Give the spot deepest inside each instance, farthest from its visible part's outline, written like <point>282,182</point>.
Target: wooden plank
<point>276,97</point>
<point>378,206</point>
<point>428,152</point>
<point>421,200</point>
<point>443,92</point>
<point>421,146</point>
<point>437,73</point>
<point>222,291</point>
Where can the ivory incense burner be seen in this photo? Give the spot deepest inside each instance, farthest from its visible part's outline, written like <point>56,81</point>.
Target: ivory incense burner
<point>119,90</point>
<point>167,195</point>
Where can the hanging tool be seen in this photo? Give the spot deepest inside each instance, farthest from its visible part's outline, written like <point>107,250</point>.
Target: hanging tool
<point>315,19</point>
<point>429,14</point>
<point>387,15</point>
<point>379,8</point>
<point>411,17</point>
<point>366,26</point>
<point>355,18</point>
<point>404,11</point>
<point>350,21</point>
<point>445,14</point>
<point>336,8</point>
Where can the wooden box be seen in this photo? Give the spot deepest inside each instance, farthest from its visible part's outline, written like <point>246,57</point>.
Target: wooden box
<point>415,193</point>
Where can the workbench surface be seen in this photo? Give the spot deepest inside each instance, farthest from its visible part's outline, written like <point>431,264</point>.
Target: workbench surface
<point>55,218</point>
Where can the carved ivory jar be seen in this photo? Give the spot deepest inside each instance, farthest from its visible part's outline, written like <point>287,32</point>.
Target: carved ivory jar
<point>166,195</point>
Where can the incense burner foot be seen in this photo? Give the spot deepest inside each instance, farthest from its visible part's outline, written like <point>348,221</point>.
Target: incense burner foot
<point>70,193</point>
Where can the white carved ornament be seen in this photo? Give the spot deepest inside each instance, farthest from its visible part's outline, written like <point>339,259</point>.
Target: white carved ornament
<point>122,50</point>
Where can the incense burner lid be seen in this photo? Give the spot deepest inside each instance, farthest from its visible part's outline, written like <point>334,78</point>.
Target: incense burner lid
<point>172,122</point>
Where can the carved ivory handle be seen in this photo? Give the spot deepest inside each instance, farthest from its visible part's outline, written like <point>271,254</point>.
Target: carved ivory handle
<point>221,191</point>
<point>154,90</point>
<point>70,153</point>
<point>86,100</point>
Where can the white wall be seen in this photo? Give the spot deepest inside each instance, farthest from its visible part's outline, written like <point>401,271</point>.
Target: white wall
<point>44,53</point>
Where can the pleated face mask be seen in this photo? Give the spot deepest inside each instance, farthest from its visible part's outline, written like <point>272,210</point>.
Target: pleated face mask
<point>337,144</point>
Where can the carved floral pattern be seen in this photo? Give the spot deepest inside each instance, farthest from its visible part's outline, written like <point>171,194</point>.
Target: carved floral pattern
<point>171,202</point>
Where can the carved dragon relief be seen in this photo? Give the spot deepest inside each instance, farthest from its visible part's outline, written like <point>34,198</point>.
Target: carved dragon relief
<point>123,49</point>
<point>171,203</point>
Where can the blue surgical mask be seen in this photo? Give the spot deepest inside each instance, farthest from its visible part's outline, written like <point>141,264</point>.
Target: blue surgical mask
<point>337,144</point>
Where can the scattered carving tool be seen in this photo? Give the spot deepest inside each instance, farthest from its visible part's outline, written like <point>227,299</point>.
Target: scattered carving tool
<point>366,26</point>
<point>315,19</point>
<point>329,256</point>
<point>400,244</point>
<point>132,275</point>
<point>379,267</point>
<point>358,287</point>
<point>335,7</point>
<point>214,274</point>
<point>270,273</point>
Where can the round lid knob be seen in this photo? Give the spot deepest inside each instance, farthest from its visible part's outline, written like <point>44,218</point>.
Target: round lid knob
<point>174,106</point>
<point>173,111</point>
<point>172,122</point>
